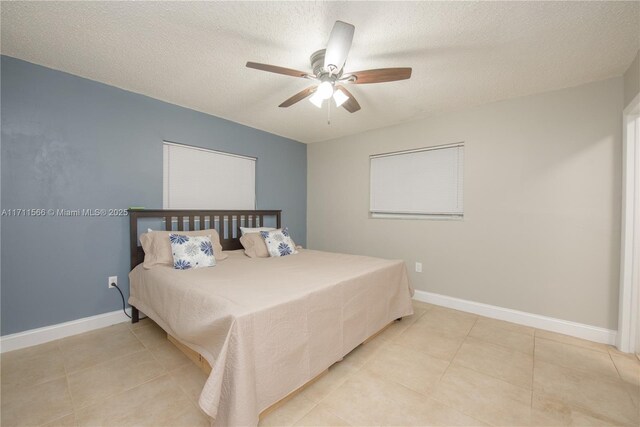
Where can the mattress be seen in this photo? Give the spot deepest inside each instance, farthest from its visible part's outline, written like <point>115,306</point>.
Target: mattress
<point>269,325</point>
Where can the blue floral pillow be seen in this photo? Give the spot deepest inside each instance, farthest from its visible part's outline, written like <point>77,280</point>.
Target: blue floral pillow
<point>191,251</point>
<point>278,242</point>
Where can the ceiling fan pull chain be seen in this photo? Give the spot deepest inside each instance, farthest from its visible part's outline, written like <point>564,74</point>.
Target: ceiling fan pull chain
<point>329,112</point>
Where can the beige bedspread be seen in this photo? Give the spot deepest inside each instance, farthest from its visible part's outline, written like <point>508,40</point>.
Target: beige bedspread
<point>269,325</point>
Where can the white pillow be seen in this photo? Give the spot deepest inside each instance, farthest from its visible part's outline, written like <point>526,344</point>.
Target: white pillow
<point>279,243</point>
<point>157,247</point>
<point>191,251</point>
<point>247,230</point>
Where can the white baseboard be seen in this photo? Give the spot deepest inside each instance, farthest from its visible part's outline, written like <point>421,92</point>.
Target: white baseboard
<point>61,330</point>
<point>578,330</point>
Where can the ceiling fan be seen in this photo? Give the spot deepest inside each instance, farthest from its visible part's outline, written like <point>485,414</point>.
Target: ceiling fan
<point>328,71</point>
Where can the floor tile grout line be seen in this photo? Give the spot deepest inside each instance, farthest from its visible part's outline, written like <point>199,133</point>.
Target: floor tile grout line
<point>136,335</point>
<point>150,346</point>
<point>347,377</point>
<point>121,392</point>
<point>622,379</point>
<point>494,377</point>
<point>194,401</point>
<point>306,413</point>
<point>515,331</point>
<point>426,310</point>
<point>447,369</point>
<point>574,405</point>
<point>589,374</point>
<point>84,334</point>
<point>188,362</point>
<point>606,346</point>
<point>482,373</point>
<point>458,349</point>
<point>59,418</point>
<point>107,360</point>
<point>104,362</point>
<point>502,345</point>
<point>197,407</point>
<point>68,389</point>
<point>337,387</point>
<point>37,383</point>
<point>429,397</point>
<point>635,357</point>
<point>615,366</point>
<point>175,368</point>
<point>450,362</point>
<point>34,385</point>
<point>420,351</point>
<point>572,345</point>
<point>350,374</point>
<point>490,375</point>
<point>462,411</point>
<point>533,371</point>
<point>66,378</point>
<point>328,409</point>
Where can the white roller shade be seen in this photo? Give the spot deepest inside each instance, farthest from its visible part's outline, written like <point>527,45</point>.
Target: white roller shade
<point>195,178</point>
<point>418,182</point>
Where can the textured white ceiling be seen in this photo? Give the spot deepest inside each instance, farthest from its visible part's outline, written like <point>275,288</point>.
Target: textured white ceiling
<point>194,53</point>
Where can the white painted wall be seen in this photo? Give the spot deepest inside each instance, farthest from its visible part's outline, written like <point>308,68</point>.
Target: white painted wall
<point>541,232</point>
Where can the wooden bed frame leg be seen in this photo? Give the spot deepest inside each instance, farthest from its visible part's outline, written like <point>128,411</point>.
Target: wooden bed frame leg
<point>135,315</point>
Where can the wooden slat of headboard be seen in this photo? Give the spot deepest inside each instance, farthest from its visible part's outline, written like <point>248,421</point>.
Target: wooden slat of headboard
<point>133,241</point>
<point>225,219</point>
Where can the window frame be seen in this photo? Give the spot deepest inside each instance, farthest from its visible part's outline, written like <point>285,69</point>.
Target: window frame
<point>165,191</point>
<point>414,215</point>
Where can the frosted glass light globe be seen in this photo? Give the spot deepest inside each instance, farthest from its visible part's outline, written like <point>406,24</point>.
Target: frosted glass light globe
<point>339,97</point>
<point>316,100</point>
<point>325,90</point>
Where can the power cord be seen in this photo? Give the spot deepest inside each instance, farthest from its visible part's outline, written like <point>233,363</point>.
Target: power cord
<point>124,305</point>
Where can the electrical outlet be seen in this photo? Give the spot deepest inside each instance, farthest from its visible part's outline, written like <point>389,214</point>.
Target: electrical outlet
<point>112,279</point>
<point>418,267</point>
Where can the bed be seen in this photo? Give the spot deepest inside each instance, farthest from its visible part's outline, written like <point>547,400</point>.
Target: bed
<point>265,326</point>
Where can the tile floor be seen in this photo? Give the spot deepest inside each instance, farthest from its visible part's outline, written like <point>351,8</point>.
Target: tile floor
<point>438,367</point>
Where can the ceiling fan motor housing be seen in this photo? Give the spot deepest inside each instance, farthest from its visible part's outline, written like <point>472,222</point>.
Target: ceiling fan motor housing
<point>317,64</point>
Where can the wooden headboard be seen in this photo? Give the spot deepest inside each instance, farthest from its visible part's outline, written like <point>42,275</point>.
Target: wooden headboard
<point>227,223</point>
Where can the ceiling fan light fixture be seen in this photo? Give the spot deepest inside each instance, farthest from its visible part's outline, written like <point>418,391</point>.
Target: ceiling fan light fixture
<point>339,97</point>
<point>325,90</point>
<point>316,100</point>
<point>328,73</point>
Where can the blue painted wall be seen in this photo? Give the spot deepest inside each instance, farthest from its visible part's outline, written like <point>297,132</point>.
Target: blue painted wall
<point>72,143</point>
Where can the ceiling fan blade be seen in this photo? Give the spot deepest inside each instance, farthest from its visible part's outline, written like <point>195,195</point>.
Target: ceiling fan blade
<point>299,96</point>
<point>351,105</point>
<point>380,75</point>
<point>338,46</point>
<point>277,70</point>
